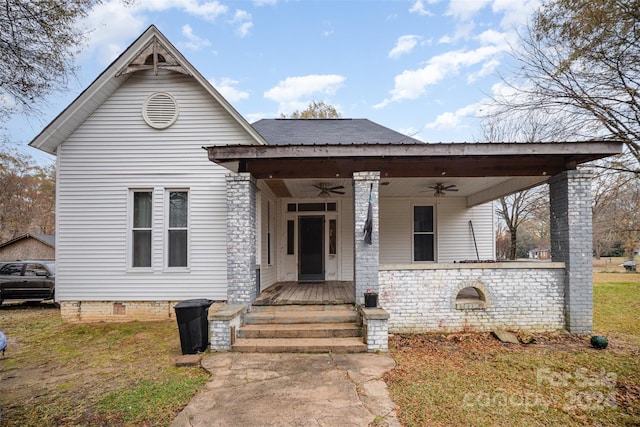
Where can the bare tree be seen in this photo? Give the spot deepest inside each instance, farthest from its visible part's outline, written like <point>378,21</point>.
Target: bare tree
<point>27,196</point>
<point>38,43</point>
<point>531,205</point>
<point>316,110</point>
<point>579,62</point>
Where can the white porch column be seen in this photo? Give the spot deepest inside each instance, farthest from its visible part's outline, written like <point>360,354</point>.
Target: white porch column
<point>241,238</point>
<point>366,256</point>
<point>571,243</point>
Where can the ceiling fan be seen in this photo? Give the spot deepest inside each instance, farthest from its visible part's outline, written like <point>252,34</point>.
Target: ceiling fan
<point>327,189</point>
<point>441,189</point>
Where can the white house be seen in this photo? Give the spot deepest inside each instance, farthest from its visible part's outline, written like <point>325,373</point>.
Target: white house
<point>166,193</point>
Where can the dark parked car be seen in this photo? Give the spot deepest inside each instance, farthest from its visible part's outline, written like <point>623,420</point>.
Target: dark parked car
<point>27,280</point>
<point>629,265</point>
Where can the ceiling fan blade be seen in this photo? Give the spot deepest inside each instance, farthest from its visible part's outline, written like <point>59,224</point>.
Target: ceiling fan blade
<point>451,189</point>
<point>337,192</point>
<point>337,187</point>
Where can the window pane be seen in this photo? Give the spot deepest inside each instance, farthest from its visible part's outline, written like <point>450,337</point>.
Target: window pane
<point>423,218</point>
<point>423,247</point>
<point>332,237</point>
<point>142,248</point>
<point>178,202</point>
<point>142,209</point>
<point>290,237</point>
<point>177,248</point>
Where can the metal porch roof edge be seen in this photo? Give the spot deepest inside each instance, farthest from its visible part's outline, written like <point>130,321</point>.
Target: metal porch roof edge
<point>599,149</point>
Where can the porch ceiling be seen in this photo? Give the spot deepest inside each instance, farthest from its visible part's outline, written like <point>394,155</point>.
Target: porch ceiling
<point>474,190</point>
<point>410,160</point>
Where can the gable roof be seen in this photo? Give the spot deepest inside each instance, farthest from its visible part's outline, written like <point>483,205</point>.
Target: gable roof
<point>134,58</point>
<point>47,239</point>
<point>328,132</point>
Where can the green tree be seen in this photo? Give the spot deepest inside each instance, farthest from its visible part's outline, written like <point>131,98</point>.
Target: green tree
<point>315,110</point>
<point>579,62</point>
<point>38,43</point>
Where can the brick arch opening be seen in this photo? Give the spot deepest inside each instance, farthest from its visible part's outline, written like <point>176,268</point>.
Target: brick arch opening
<point>471,296</point>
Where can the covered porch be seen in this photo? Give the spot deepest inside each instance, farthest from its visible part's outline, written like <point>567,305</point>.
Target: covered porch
<point>421,295</point>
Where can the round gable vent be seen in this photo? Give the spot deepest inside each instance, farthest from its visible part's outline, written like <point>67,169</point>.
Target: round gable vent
<point>160,110</point>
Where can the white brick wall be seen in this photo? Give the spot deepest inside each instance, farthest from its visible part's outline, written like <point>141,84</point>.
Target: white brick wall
<point>517,297</point>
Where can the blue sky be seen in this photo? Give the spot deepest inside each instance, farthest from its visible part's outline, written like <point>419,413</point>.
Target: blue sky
<point>421,67</point>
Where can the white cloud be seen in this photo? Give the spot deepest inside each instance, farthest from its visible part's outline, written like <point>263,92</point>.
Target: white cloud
<point>452,120</point>
<point>328,28</point>
<point>259,3</point>
<point>404,45</point>
<point>516,13</point>
<point>114,25</point>
<point>226,87</point>
<point>243,18</point>
<point>418,7</point>
<point>194,42</point>
<point>411,84</point>
<point>464,10</point>
<point>295,93</point>
<point>487,68</point>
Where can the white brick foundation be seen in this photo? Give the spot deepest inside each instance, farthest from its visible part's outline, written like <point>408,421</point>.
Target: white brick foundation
<point>517,296</point>
<point>119,311</point>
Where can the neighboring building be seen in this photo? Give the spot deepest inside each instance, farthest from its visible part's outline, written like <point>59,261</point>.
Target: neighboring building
<point>29,246</point>
<point>539,253</point>
<point>146,217</point>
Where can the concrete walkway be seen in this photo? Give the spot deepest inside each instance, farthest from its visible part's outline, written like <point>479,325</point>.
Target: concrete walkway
<point>257,389</point>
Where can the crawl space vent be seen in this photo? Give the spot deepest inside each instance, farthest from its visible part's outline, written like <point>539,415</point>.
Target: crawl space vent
<point>160,110</point>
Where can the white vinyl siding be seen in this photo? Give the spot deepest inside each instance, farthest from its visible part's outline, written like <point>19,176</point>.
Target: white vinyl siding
<point>114,151</point>
<point>454,240</point>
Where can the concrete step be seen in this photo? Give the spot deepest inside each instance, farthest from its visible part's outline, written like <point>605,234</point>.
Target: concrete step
<point>307,316</point>
<point>300,345</point>
<point>301,330</point>
<point>302,307</point>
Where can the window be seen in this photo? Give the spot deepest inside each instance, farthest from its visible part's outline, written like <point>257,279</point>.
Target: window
<point>423,234</point>
<point>291,233</point>
<point>178,228</point>
<point>141,229</point>
<point>11,270</point>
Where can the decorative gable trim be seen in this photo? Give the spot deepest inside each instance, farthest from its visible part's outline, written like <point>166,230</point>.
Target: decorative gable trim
<point>153,56</point>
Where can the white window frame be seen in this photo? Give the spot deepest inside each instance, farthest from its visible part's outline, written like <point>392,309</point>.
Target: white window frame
<point>131,229</point>
<point>414,232</point>
<point>167,207</point>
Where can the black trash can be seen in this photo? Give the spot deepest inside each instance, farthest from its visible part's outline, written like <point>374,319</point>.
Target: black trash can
<point>193,325</point>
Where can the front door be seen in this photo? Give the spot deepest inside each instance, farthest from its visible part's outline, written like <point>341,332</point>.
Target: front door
<point>311,247</point>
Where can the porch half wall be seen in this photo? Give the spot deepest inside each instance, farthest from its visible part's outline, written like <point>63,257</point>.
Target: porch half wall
<point>518,296</point>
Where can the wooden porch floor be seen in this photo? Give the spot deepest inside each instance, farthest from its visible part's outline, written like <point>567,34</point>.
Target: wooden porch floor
<point>305,293</point>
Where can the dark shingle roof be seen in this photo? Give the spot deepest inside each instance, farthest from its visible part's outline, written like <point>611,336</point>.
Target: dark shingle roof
<point>47,239</point>
<point>328,131</point>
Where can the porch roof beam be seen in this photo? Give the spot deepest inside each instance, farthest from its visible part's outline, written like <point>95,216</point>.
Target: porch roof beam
<point>410,160</point>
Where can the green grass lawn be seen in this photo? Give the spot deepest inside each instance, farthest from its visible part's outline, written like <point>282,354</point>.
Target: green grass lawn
<point>60,374</point>
<point>472,379</point>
